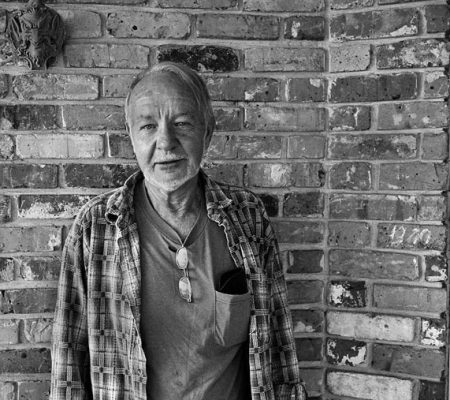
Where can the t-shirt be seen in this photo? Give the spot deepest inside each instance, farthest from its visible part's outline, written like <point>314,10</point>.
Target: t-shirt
<point>195,350</point>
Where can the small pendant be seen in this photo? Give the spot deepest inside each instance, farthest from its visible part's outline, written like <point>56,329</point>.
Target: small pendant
<point>184,287</point>
<point>181,258</point>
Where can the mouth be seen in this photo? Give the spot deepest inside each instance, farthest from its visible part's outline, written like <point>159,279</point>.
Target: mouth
<point>168,163</point>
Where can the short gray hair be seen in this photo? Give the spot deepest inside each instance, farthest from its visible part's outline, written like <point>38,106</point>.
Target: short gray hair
<point>189,78</point>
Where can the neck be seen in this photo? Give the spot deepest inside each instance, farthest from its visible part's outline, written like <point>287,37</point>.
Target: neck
<point>180,207</point>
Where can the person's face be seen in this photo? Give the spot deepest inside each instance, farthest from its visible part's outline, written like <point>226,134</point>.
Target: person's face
<point>167,131</point>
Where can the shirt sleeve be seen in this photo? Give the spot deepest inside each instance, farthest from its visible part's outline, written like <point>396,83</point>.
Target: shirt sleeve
<point>70,356</point>
<point>285,371</point>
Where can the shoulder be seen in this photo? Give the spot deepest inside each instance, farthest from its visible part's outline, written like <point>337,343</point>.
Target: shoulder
<point>241,197</point>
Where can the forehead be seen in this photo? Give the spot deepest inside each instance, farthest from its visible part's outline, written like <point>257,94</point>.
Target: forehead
<point>160,90</point>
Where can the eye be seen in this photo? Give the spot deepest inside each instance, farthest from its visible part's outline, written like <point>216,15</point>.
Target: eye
<point>148,127</point>
<point>183,123</point>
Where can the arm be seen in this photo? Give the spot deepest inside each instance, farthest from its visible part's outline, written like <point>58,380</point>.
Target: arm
<point>285,372</point>
<point>70,356</point>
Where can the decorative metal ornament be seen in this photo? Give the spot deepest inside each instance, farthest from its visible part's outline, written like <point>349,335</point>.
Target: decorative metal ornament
<point>37,33</point>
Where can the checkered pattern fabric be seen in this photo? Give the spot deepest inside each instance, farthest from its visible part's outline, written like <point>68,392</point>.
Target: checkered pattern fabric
<point>97,351</point>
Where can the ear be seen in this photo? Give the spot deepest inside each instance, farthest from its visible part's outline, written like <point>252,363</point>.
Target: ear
<point>208,137</point>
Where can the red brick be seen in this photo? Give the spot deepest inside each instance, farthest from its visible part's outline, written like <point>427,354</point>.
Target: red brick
<point>42,238</point>
<point>93,116</point>
<point>234,26</point>
<point>243,89</point>
<point>433,332</point>
<point>306,90</point>
<point>350,118</point>
<point>37,268</point>
<point>409,298</point>
<point>98,55</point>
<point>100,176</point>
<point>309,349</point>
<point>436,85</point>
<point>375,24</point>
<point>34,390</point>
<point>59,146</point>
<point>374,207</point>
<point>304,292</point>
<point>299,232</point>
<point>36,330</point>
<point>435,146</point>
<point>273,59</point>
<point>3,85</point>
<point>420,237</point>
<point>26,301</point>
<point>348,234</point>
<point>285,118</point>
<point>413,176</point>
<point>269,175</point>
<point>55,87</point>
<point>432,208</point>
<point>284,5</point>
<point>309,204</point>
<point>9,332</point>
<point>8,390</point>
<point>29,117</point>
<point>412,53</point>
<point>81,24</point>
<point>436,269</point>
<point>120,146</point>
<point>304,261</point>
<point>349,57</point>
<point>50,206</point>
<point>259,147</point>
<point>228,119</point>
<point>222,147</point>
<point>7,270</point>
<point>5,208</point>
<point>7,147</point>
<point>228,173</point>
<point>437,17</point>
<point>219,4</point>
<point>116,85</point>
<point>412,115</point>
<point>202,58</point>
<point>28,176</point>
<point>347,294</point>
<point>372,147</point>
<point>148,25</point>
<point>307,321</point>
<point>346,352</point>
<point>308,175</point>
<point>270,204</point>
<point>30,361</point>
<point>432,390</point>
<point>313,381</point>
<point>374,265</point>
<point>407,360</point>
<point>352,176</point>
<point>304,28</point>
<point>350,4</point>
<point>374,88</point>
<point>306,146</point>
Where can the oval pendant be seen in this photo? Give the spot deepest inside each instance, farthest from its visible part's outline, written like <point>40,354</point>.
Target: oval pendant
<point>184,287</point>
<point>181,258</point>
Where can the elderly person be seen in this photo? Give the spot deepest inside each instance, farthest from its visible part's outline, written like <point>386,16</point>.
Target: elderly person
<point>171,286</point>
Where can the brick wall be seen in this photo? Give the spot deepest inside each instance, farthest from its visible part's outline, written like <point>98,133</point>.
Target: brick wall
<point>333,111</point>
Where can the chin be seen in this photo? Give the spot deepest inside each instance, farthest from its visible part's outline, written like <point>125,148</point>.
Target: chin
<point>170,183</point>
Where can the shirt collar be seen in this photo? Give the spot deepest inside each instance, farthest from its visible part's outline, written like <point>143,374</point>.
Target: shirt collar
<point>120,210</point>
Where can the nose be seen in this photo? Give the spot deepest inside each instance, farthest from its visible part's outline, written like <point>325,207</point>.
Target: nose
<point>166,139</point>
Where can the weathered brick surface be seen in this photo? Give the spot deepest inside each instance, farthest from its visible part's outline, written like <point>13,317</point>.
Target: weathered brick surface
<point>305,28</point>
<point>307,321</point>
<point>308,204</point>
<point>375,24</point>
<point>434,146</point>
<point>9,332</point>
<point>348,234</point>
<point>304,261</point>
<point>202,58</point>
<point>244,89</point>
<point>116,85</point>
<point>307,146</point>
<point>351,176</point>
<point>306,90</point>
<point>309,349</point>
<point>409,298</point>
<point>436,269</point>
<point>407,360</point>
<point>413,176</point>
<point>347,294</point>
<point>431,208</point>
<point>36,330</point>
<point>436,85</point>
<point>398,236</point>
<point>374,265</point>
<point>284,59</point>
<point>26,301</point>
<point>25,361</point>
<point>433,332</point>
<point>299,232</point>
<point>431,390</point>
<point>364,326</point>
<point>219,4</point>
<point>28,176</point>
<point>93,117</point>
<point>259,147</point>
<point>29,117</point>
<point>34,390</point>
<point>349,57</point>
<point>81,24</point>
<point>437,17</point>
<point>53,86</point>
<point>5,208</point>
<point>346,352</point>
<point>228,119</point>
<point>41,238</point>
<point>350,4</point>
<point>301,292</point>
<point>6,147</point>
<point>233,26</point>
<point>284,5</point>
<point>350,118</point>
<point>148,25</point>
<point>100,176</point>
<point>50,206</point>
<point>369,386</point>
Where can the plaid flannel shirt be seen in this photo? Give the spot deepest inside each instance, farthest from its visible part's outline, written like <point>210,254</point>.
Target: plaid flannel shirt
<point>97,351</point>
